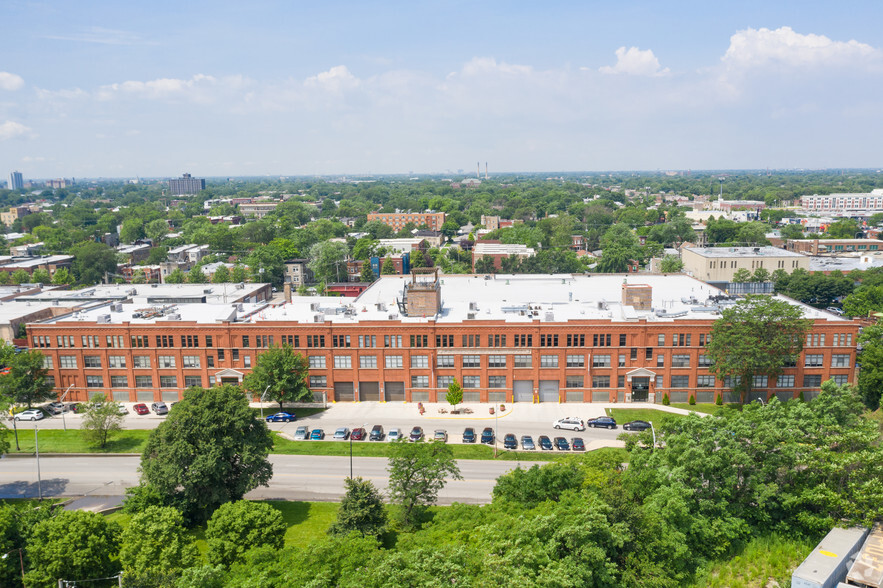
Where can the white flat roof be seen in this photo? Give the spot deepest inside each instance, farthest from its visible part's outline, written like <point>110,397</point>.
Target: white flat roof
<point>140,293</point>
<point>766,251</point>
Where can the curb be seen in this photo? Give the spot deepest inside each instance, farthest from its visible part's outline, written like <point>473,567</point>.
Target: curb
<point>21,455</point>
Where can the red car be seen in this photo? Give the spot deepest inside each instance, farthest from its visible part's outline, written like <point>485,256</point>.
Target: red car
<point>141,409</point>
<point>358,434</point>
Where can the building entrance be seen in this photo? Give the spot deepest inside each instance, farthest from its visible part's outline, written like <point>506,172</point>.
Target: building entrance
<point>640,389</point>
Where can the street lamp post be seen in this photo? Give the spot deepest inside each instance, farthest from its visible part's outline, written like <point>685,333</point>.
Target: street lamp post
<point>267,389</point>
<point>15,428</point>
<point>21,561</point>
<point>496,421</point>
<point>37,448</point>
<point>63,420</point>
<point>652,430</point>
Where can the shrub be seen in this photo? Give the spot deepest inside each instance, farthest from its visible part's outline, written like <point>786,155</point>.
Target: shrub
<point>665,400</point>
<point>239,526</point>
<point>692,400</point>
<point>719,400</point>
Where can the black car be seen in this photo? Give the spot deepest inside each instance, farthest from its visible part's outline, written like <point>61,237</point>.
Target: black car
<point>416,434</point>
<point>577,444</point>
<point>562,444</point>
<point>545,443</point>
<point>510,442</point>
<point>468,435</point>
<point>487,436</point>
<point>636,426</point>
<point>376,433</point>
<point>604,422</point>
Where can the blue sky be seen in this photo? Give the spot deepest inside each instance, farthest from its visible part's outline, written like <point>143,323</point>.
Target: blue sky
<point>118,89</point>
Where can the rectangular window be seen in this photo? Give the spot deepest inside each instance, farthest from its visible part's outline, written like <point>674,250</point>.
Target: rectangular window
<point>143,382</point>
<point>660,360</point>
<point>523,340</point>
<point>208,340</point>
<point>648,353</point>
<point>660,340</point>
<point>622,340</point>
<point>419,381</point>
<point>114,341</point>
<point>444,381</point>
<point>368,362</point>
<point>48,364</point>
<point>393,361</point>
<point>420,341</point>
<point>392,340</point>
<point>680,361</point>
<point>141,361</point>
<point>760,382</point>
<point>840,380</point>
<point>634,354</point>
<point>523,361</point>
<point>210,361</point>
<point>680,381</point>
<point>190,381</point>
<point>705,381</point>
<point>732,381</point>
<point>90,341</point>
<point>444,340</point>
<point>601,340</point>
<point>317,362</point>
<point>548,361</point>
<point>471,381</point>
<point>94,382</point>
<point>471,361</point>
<point>165,361</point>
<point>316,341</point>
<point>496,361</point>
<point>343,362</point>
<point>812,381</point>
<point>191,361</point>
<point>600,361</point>
<point>119,382</point>
<point>548,340</point>
<point>576,361</point>
<point>600,381</point>
<point>574,382</point>
<point>621,360</point>
<point>705,361</point>
<point>813,360</point>
<point>446,361</point>
<point>367,340</point>
<point>220,355</point>
<point>785,381</point>
<point>318,381</point>
<point>246,360</point>
<point>496,340</point>
<point>68,361</point>
<point>91,361</point>
<point>340,340</point>
<point>419,361</point>
<point>168,382</point>
<point>496,382</point>
<point>116,361</point>
<point>840,361</point>
<point>245,341</point>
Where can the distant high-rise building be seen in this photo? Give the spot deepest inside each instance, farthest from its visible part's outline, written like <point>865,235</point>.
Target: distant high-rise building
<point>186,185</point>
<point>16,182</point>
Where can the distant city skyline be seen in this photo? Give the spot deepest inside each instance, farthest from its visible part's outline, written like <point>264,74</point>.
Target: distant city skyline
<point>107,89</point>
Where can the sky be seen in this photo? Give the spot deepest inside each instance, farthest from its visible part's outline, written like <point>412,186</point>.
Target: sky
<point>99,88</point>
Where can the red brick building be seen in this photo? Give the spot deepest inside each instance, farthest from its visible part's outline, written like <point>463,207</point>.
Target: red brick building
<point>517,338</point>
<point>397,220</point>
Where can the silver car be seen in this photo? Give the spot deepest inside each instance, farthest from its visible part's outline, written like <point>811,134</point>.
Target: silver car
<point>301,434</point>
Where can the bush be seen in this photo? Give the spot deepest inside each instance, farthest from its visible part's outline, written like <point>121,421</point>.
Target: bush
<point>239,526</point>
<point>154,544</point>
<point>719,400</point>
<point>801,397</point>
<point>692,400</point>
<point>360,510</point>
<point>665,400</point>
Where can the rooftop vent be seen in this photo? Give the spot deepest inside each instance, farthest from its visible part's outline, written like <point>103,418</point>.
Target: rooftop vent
<point>173,316</point>
<point>470,316</point>
<point>103,319</point>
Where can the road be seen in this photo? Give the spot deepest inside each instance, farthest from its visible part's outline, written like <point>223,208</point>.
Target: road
<point>295,477</point>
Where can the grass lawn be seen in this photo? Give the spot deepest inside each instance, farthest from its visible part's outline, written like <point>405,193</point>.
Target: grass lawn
<point>763,559</point>
<point>706,408</point>
<point>72,441</point>
<point>624,415</point>
<point>300,412</point>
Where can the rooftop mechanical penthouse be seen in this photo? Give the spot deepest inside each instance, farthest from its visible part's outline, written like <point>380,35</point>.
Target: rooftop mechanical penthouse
<point>515,338</point>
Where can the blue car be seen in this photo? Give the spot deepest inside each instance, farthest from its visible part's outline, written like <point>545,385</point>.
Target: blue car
<point>317,435</point>
<point>282,417</point>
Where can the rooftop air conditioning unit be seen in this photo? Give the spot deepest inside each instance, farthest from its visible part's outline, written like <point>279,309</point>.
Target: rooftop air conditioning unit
<point>103,319</point>
<point>470,316</point>
<point>173,316</point>
<point>473,306</point>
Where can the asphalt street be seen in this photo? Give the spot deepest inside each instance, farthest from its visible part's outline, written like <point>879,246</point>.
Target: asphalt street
<point>295,477</point>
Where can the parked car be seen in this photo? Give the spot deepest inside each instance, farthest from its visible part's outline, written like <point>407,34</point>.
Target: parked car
<point>440,435</point>
<point>55,408</point>
<point>341,434</point>
<point>510,442</point>
<point>578,444</point>
<point>33,414</point>
<point>317,435</point>
<point>562,444</point>
<point>141,409</point>
<point>603,422</point>
<point>572,423</point>
<point>395,434</point>
<point>416,434</point>
<point>835,310</point>
<point>487,436</point>
<point>121,409</point>
<point>545,443</point>
<point>527,443</point>
<point>282,417</point>
<point>636,426</point>
<point>358,434</point>
<point>301,434</point>
<point>73,406</point>
<point>159,408</point>
<point>376,433</point>
<point>468,435</point>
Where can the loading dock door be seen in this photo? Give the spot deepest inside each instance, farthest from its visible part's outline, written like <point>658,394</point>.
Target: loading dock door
<point>523,391</point>
<point>343,392</point>
<point>394,391</point>
<point>549,390</point>
<point>369,391</point>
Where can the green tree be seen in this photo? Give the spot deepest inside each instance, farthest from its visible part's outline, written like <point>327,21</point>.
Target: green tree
<point>671,264</point>
<point>530,487</point>
<point>864,301</point>
<point>5,278</point>
<point>26,382</point>
<point>761,275</point>
<point>367,274</point>
<point>221,275</point>
<point>485,265</point>
<point>283,373</point>
<point>92,260</point>
<point>328,261</point>
<point>741,276</point>
<point>417,473</point>
<point>139,277</point>
<point>870,377</point>
<point>844,228</point>
<point>619,246</point>
<point>20,276</point>
<point>455,393</point>
<point>361,510</point>
<point>155,547</point>
<point>791,231</point>
<point>239,526</point>
<point>101,419</point>
<point>40,276</point>
<point>238,274</point>
<point>157,255</point>
<point>756,336</point>
<point>73,544</point>
<point>388,268</point>
<point>195,276</point>
<point>176,276</point>
<point>131,230</point>
<point>209,450</point>
<point>156,230</point>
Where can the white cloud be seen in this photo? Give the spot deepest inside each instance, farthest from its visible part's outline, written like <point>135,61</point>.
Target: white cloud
<point>10,81</point>
<point>483,66</point>
<point>636,62</point>
<point>11,129</point>
<point>758,47</point>
<point>199,88</point>
<point>336,79</point>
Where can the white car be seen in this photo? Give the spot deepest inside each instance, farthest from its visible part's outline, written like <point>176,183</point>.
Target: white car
<point>29,415</point>
<point>571,423</point>
<point>301,434</point>
<point>394,434</point>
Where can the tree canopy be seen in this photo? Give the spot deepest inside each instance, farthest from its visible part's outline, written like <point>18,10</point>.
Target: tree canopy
<point>417,473</point>
<point>282,373</point>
